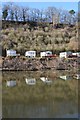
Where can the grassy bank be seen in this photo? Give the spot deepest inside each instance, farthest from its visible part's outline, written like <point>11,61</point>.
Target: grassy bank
<point>26,36</point>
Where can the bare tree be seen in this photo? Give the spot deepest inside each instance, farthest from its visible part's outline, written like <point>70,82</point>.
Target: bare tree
<point>64,16</point>
<point>11,11</point>
<point>41,15</point>
<point>34,13</point>
<point>24,13</point>
<point>72,13</point>
<point>16,12</point>
<point>50,13</point>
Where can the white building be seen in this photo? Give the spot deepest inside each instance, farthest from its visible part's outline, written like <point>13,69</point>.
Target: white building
<point>46,53</point>
<point>11,53</point>
<point>65,54</point>
<point>30,54</point>
<point>30,81</point>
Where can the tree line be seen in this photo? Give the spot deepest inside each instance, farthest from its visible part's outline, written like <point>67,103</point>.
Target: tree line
<point>14,12</point>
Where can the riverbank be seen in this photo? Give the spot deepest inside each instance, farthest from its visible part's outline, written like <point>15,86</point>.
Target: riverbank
<point>35,64</point>
<point>41,37</point>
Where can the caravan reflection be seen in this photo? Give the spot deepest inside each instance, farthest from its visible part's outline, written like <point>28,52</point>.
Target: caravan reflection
<point>77,76</point>
<point>46,80</point>
<point>64,77</point>
<point>11,83</point>
<point>30,81</point>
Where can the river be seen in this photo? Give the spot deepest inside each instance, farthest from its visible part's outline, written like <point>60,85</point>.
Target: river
<point>42,94</point>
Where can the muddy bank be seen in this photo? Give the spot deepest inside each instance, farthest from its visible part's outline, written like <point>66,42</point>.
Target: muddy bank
<point>39,64</point>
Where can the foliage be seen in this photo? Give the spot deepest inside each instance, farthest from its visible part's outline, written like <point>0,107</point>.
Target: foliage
<point>23,36</point>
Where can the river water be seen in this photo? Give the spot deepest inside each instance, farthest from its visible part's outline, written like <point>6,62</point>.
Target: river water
<point>41,94</point>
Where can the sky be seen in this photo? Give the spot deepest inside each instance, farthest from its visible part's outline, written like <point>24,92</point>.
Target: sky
<point>44,5</point>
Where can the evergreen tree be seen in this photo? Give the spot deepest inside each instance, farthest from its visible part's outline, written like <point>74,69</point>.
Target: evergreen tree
<point>5,14</point>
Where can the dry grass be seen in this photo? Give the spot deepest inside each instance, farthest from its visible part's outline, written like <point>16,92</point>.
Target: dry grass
<point>39,38</point>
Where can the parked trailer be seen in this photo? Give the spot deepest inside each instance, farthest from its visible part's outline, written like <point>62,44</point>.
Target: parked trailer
<point>11,53</point>
<point>46,54</point>
<point>65,54</point>
<point>77,54</point>
<point>30,54</point>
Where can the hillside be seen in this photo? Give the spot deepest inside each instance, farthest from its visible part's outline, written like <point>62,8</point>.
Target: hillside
<point>23,36</point>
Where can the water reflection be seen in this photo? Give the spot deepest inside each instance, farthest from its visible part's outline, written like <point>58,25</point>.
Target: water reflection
<point>77,76</point>
<point>30,81</point>
<point>11,83</point>
<point>66,77</point>
<point>48,110</point>
<point>54,101</point>
<point>46,80</point>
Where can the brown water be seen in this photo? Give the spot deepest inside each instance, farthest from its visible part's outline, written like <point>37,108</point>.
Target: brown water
<point>57,99</point>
